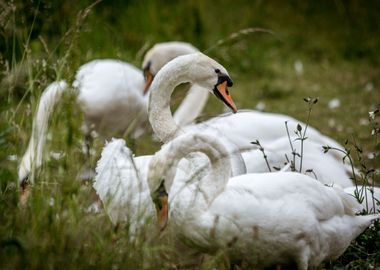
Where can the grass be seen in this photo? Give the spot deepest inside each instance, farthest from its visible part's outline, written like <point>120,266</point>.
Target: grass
<point>336,43</point>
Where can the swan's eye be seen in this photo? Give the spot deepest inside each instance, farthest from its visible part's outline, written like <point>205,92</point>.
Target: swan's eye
<point>217,70</point>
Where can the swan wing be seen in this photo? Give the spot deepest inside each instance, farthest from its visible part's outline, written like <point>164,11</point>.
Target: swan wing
<point>121,183</point>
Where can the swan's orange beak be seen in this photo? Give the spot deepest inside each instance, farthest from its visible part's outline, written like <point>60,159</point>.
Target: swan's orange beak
<point>148,80</point>
<point>162,212</point>
<point>221,91</point>
<point>160,199</point>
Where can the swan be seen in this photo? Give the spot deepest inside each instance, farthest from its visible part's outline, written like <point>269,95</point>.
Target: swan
<point>240,128</point>
<point>111,95</point>
<point>260,219</point>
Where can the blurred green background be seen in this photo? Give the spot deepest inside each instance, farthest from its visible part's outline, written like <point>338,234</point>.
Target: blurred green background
<point>325,49</point>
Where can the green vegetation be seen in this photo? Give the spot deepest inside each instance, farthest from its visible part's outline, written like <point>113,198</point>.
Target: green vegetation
<point>324,49</point>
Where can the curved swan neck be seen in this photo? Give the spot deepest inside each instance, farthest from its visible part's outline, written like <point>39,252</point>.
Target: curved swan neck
<point>160,116</point>
<point>164,163</point>
<point>33,155</point>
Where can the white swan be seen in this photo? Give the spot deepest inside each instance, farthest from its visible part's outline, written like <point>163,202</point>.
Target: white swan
<point>260,219</point>
<point>240,128</point>
<point>110,94</point>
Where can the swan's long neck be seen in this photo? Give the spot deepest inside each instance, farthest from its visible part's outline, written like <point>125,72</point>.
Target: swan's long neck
<point>33,155</point>
<point>160,116</point>
<point>166,161</point>
<point>192,105</point>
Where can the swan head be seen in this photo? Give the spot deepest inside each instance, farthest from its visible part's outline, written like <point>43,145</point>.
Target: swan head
<point>159,55</point>
<point>160,178</point>
<point>162,171</point>
<point>160,200</point>
<point>211,75</point>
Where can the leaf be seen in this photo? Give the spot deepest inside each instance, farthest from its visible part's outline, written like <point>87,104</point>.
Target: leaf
<point>256,142</point>
<point>358,149</point>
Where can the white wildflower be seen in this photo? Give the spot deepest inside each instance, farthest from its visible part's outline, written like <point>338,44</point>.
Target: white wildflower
<point>260,106</point>
<point>334,103</point>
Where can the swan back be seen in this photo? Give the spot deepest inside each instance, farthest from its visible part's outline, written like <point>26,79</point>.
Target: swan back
<point>326,168</point>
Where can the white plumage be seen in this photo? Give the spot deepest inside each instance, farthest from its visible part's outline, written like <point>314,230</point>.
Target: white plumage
<point>121,185</point>
<point>325,168</point>
<point>110,94</point>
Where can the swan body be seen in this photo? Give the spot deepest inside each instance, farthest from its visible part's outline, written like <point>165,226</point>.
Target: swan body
<point>110,96</point>
<point>261,219</point>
